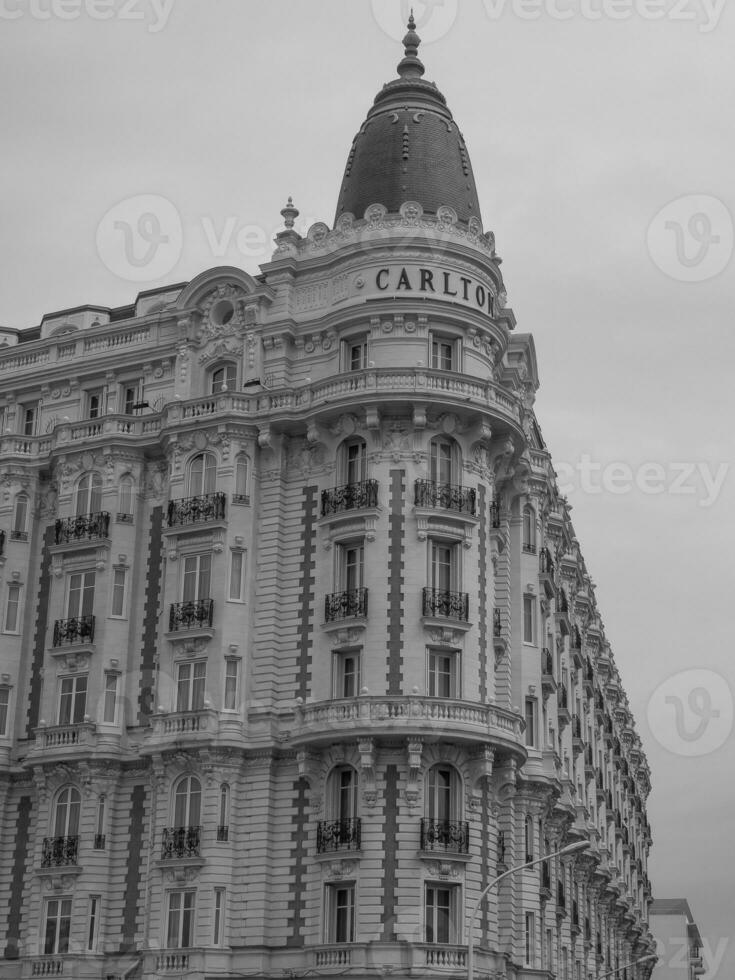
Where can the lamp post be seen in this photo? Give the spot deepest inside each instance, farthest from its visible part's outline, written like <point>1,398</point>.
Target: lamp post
<point>581,845</point>
<point>618,969</point>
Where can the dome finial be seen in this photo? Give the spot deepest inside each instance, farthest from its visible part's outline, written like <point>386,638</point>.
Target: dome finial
<point>289,213</point>
<point>411,65</point>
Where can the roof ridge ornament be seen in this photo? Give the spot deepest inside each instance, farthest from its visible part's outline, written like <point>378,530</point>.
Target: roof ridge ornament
<point>411,65</point>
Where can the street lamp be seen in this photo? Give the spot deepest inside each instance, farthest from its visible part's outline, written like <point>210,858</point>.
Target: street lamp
<point>618,969</point>
<point>581,845</point>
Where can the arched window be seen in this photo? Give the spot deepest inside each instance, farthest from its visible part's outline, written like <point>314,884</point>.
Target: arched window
<point>223,829</point>
<point>224,378</point>
<point>126,498</point>
<point>443,461</point>
<point>66,812</point>
<point>242,479</point>
<point>529,530</point>
<point>442,829</point>
<point>202,474</point>
<point>89,494</point>
<point>187,802</point>
<point>353,461</point>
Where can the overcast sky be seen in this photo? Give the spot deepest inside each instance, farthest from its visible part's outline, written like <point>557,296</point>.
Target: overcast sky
<point>584,120</point>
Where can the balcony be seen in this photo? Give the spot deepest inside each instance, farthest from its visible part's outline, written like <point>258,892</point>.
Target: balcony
<point>77,629</point>
<point>194,614</point>
<point>547,671</point>
<point>180,842</point>
<point>563,703</point>
<point>82,527</point>
<point>196,510</point>
<point>545,886</point>
<point>350,496</point>
<point>59,851</point>
<point>446,496</point>
<point>577,743</point>
<point>546,563</point>
<point>495,515</point>
<point>445,604</point>
<point>338,835</point>
<point>351,604</point>
<point>445,835</point>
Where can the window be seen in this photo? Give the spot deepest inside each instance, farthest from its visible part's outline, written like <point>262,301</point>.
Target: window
<point>232,671</point>
<point>99,837</point>
<point>119,582</point>
<point>442,455</point>
<point>202,474</point>
<point>196,580</point>
<point>187,802</point>
<point>440,912</point>
<point>190,681</point>
<point>57,924</point>
<point>89,494</point>
<point>354,461</point>
<point>443,354</point>
<point>66,812</point>
<point>529,618</point>
<point>356,353</point>
<point>126,499</point>
<point>12,609</point>
<point>442,794</point>
<point>237,576</point>
<point>342,793</point>
<point>132,398</point>
<point>443,572</point>
<point>352,563</point>
<point>4,709</point>
<point>224,379</point>
<point>340,917</point>
<point>530,939</point>
<point>529,839</point>
<point>219,916</point>
<point>529,530</point>
<point>180,932</point>
<point>80,599</point>
<point>530,716</point>
<point>346,673</point>
<point>242,480</point>
<point>28,414</point>
<point>73,700</point>
<point>93,928</point>
<point>224,812</point>
<point>20,517</point>
<point>109,715</point>
<point>94,403</point>
<point>443,673</point>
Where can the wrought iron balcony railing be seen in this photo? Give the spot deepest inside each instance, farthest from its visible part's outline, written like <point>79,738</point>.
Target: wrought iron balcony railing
<point>77,629</point>
<point>223,832</point>
<point>82,527</point>
<point>450,496</point>
<point>190,615</point>
<point>338,835</point>
<point>345,605</point>
<point>445,835</point>
<point>180,842</point>
<point>350,496</point>
<point>196,510</point>
<point>450,605</point>
<point>99,842</point>
<point>58,851</point>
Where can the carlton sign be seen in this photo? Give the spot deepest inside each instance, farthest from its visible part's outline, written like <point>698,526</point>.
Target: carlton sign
<point>434,281</point>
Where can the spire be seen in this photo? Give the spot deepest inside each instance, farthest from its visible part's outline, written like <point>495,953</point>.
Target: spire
<point>411,65</point>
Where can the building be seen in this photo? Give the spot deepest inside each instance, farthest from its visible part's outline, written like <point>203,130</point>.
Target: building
<point>299,649</point>
<point>678,940</point>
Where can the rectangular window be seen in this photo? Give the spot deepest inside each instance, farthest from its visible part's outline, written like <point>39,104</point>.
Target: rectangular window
<point>29,418</point>
<point>346,674</point>
<point>530,939</point>
<point>219,916</point>
<point>4,709</point>
<point>443,354</point>
<point>57,924</point>
<point>191,678</point>
<point>232,670</point>
<point>119,582</point>
<point>180,933</point>
<point>340,918</point>
<point>352,561</point>
<point>132,396</point>
<point>549,950</point>
<point>110,706</point>
<point>443,673</point>
<point>356,354</point>
<point>443,571</point>
<point>94,403</point>
<point>440,906</point>
<point>80,601</point>
<point>73,700</point>
<point>197,574</point>
<point>530,716</point>
<point>12,609</point>
<point>237,576</point>
<point>94,918</point>
<point>529,618</point>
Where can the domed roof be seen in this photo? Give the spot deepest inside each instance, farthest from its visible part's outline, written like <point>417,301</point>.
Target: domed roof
<point>409,149</point>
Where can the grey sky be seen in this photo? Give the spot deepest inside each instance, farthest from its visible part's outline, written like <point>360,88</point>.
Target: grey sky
<point>580,131</point>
